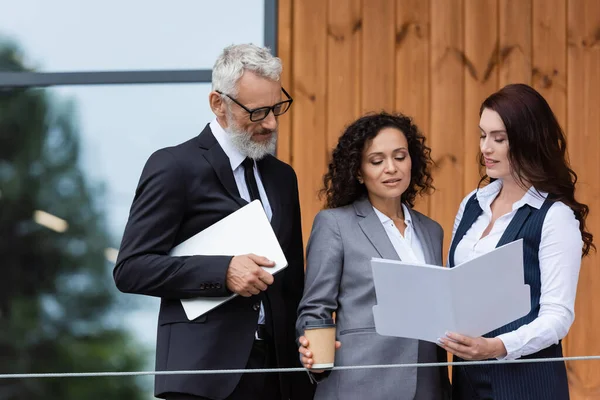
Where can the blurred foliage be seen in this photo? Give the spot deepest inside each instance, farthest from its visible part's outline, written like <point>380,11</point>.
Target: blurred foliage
<point>56,289</point>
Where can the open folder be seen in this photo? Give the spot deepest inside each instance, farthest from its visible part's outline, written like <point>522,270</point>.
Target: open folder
<point>244,231</point>
<point>473,298</point>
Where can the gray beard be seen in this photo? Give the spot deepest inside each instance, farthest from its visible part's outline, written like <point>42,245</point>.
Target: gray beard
<point>243,142</point>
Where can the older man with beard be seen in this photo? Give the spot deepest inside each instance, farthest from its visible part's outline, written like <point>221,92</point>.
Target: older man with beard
<point>186,188</point>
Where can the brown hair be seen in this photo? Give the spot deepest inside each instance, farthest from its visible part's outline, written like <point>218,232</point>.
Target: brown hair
<point>340,184</point>
<point>538,148</point>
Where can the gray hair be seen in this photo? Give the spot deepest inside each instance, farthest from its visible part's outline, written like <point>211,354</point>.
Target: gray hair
<point>236,59</point>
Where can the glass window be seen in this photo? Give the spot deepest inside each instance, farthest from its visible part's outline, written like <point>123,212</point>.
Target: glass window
<point>121,125</point>
<point>70,160</point>
<point>73,35</point>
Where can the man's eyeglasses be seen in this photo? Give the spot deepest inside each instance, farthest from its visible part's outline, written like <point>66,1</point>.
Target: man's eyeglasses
<point>258,114</point>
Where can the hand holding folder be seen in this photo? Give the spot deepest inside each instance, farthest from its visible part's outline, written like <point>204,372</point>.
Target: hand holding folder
<point>472,299</point>
<point>244,231</point>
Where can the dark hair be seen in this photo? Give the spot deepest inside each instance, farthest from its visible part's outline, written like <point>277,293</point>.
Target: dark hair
<point>537,148</point>
<point>341,186</point>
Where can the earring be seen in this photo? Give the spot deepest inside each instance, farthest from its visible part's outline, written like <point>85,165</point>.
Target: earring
<point>360,180</point>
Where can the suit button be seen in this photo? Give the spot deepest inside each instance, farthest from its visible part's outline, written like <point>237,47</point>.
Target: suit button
<point>217,286</point>
<point>202,286</point>
<point>256,306</point>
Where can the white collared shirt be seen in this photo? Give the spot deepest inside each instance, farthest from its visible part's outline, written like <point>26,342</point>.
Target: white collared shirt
<point>408,247</point>
<point>559,256</point>
<point>235,159</point>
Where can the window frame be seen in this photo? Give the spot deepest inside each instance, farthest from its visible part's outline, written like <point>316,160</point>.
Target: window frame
<point>45,79</point>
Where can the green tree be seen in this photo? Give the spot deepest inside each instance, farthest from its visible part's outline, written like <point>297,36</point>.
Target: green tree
<point>56,291</point>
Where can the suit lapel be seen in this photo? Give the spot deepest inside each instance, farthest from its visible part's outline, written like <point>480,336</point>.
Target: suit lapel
<point>471,212</point>
<point>219,161</point>
<point>374,230</point>
<point>269,181</point>
<point>424,237</point>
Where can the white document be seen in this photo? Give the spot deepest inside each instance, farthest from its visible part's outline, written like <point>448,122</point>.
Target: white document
<point>424,301</point>
<point>244,231</point>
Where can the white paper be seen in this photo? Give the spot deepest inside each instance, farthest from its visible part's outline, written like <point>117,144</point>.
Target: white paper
<point>244,231</point>
<point>425,301</point>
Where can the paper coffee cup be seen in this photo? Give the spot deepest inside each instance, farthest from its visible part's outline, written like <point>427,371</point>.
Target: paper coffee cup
<point>321,342</point>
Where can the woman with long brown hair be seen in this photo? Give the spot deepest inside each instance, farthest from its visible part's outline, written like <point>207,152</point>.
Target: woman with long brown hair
<point>530,196</point>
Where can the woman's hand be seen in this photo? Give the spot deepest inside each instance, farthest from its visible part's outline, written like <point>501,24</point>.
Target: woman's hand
<point>469,348</point>
<point>306,358</point>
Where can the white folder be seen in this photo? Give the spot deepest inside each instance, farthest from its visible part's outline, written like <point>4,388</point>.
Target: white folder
<point>244,231</point>
<point>473,298</point>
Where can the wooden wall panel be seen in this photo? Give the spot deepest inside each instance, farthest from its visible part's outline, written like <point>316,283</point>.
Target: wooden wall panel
<point>447,110</point>
<point>309,144</point>
<point>344,36</point>
<point>436,60</point>
<point>514,19</point>
<point>412,68</point>
<point>284,51</point>
<point>481,77</point>
<point>584,146</point>
<point>549,73</point>
<point>378,55</point>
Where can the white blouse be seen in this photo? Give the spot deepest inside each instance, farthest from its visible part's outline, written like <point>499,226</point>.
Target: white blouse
<point>559,256</point>
<point>408,247</point>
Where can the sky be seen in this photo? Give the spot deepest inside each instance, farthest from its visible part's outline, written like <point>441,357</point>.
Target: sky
<point>121,125</point>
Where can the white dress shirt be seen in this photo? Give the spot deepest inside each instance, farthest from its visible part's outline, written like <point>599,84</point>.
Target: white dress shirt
<point>235,159</point>
<point>408,247</point>
<point>559,257</point>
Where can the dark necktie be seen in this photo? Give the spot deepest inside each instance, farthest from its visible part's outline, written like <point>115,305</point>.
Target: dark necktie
<point>250,179</point>
<point>254,195</point>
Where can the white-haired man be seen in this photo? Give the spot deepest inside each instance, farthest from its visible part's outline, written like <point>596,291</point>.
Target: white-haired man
<point>188,187</point>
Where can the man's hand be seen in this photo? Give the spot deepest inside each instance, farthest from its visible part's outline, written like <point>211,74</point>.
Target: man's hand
<point>245,275</point>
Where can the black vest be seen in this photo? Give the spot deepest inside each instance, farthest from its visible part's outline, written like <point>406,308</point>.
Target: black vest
<point>514,381</point>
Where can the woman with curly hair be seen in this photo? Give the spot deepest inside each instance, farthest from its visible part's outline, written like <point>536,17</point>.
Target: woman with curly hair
<point>530,195</point>
<point>380,165</point>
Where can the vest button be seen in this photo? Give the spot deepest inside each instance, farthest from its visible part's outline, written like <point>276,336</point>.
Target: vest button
<point>256,306</point>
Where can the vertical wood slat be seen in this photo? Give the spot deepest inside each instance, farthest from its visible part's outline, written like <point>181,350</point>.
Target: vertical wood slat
<point>378,55</point>
<point>447,110</point>
<point>310,85</point>
<point>284,50</point>
<point>481,76</point>
<point>344,34</point>
<point>584,146</point>
<point>514,19</point>
<point>549,73</point>
<point>412,72</point>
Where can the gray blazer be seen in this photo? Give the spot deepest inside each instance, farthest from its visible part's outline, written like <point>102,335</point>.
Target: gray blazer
<point>339,279</point>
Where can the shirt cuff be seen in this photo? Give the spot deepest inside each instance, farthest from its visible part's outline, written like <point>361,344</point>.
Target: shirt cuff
<point>512,343</point>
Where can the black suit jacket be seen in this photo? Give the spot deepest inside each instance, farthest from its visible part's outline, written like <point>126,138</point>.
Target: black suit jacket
<point>183,190</point>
